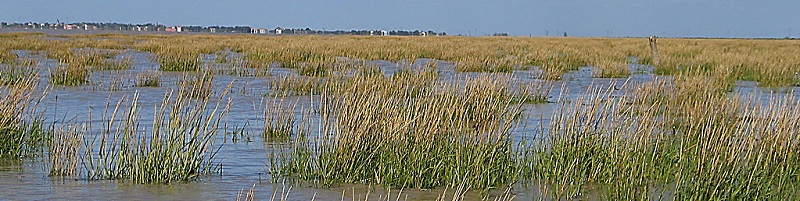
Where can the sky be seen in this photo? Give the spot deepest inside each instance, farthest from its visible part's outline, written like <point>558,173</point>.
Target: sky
<point>590,18</point>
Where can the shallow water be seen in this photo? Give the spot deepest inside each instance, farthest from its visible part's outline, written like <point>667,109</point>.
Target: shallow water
<point>244,157</point>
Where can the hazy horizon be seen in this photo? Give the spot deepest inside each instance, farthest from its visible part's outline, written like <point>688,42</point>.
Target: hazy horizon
<point>616,18</point>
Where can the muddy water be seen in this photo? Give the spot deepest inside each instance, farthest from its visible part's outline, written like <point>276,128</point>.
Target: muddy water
<point>244,156</point>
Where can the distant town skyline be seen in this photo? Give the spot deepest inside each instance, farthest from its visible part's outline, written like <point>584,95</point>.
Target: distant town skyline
<point>150,27</point>
<point>617,18</point>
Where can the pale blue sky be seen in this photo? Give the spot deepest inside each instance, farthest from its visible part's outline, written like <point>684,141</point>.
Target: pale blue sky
<point>670,18</point>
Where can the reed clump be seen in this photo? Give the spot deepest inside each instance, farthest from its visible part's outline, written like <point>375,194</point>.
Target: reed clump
<point>483,65</point>
<point>69,74</point>
<point>26,41</point>
<point>292,85</point>
<point>64,150</point>
<point>179,59</point>
<point>279,122</point>
<point>239,67</point>
<point>6,56</point>
<point>178,147</point>
<point>594,141</point>
<point>315,68</point>
<point>610,68</point>
<point>414,76</point>
<point>20,128</point>
<point>76,65</point>
<point>198,86</point>
<point>18,71</point>
<point>221,57</point>
<point>149,78</point>
<point>380,130</point>
<point>80,56</point>
<point>555,64</point>
<point>531,91</point>
<point>671,137</point>
<point>123,63</point>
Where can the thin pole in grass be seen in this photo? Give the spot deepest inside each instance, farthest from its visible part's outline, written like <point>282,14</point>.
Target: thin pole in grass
<point>654,50</point>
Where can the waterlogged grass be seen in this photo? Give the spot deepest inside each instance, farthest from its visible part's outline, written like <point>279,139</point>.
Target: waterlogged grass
<point>179,60</point>
<point>610,68</point>
<point>64,150</point>
<point>292,85</point>
<point>315,68</point>
<point>6,56</point>
<point>198,86</point>
<point>767,61</point>
<point>483,65</point>
<point>77,56</point>
<point>21,131</point>
<point>402,134</point>
<point>116,64</point>
<point>703,145</point>
<point>70,74</point>
<point>554,65</point>
<point>593,142</point>
<point>279,121</point>
<point>531,92</point>
<point>687,137</point>
<point>22,138</point>
<point>18,71</point>
<point>179,146</point>
<point>150,78</point>
<point>221,57</point>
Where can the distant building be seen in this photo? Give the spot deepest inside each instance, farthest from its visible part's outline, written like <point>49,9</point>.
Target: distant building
<point>149,27</point>
<point>259,31</point>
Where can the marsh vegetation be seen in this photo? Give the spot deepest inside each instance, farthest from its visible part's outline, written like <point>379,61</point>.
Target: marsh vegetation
<point>550,118</point>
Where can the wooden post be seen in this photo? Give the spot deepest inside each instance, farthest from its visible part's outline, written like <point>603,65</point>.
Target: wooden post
<point>653,50</point>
